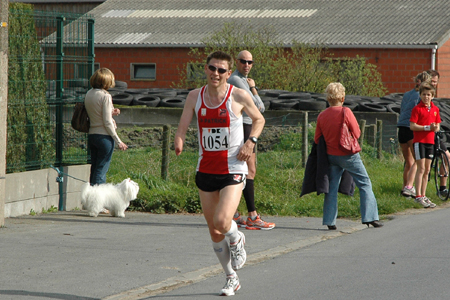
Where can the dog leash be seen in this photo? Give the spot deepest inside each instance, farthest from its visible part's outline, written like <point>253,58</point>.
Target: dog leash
<point>60,177</point>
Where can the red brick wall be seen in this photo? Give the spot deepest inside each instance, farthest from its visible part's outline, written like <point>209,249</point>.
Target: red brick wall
<point>443,67</point>
<point>167,61</point>
<point>397,66</point>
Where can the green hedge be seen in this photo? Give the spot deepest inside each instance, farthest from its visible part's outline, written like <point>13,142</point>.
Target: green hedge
<point>29,130</point>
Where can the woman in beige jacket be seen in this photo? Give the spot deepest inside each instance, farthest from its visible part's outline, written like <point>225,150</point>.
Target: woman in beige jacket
<point>102,131</point>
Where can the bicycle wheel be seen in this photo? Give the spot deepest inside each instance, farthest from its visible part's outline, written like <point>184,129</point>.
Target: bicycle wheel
<point>441,175</point>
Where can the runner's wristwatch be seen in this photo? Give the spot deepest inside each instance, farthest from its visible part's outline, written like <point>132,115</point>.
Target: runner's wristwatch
<point>253,139</point>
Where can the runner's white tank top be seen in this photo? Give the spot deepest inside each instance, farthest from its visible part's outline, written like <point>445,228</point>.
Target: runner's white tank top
<point>220,136</point>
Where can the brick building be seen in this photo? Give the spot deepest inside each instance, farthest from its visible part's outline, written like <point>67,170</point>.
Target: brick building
<point>146,42</point>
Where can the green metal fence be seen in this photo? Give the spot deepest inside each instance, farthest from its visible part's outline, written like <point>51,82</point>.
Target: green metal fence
<point>51,57</point>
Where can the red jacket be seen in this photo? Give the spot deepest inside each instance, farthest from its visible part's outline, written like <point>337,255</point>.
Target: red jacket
<point>329,125</point>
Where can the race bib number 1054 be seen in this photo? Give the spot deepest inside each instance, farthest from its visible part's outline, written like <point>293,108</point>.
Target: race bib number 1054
<point>215,139</point>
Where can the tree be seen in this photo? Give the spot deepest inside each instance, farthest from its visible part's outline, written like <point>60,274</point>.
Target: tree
<point>303,67</point>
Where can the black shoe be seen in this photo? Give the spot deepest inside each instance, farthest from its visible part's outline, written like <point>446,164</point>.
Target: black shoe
<point>375,224</point>
<point>332,227</point>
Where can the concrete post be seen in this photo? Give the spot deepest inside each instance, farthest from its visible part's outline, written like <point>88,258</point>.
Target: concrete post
<point>4,4</point>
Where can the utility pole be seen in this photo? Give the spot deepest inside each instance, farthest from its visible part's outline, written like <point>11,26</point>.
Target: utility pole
<point>4,10</point>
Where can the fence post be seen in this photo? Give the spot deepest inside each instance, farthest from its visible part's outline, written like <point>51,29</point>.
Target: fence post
<point>380,138</point>
<point>91,48</point>
<point>362,127</point>
<point>59,105</point>
<point>305,139</point>
<point>3,102</point>
<point>165,152</point>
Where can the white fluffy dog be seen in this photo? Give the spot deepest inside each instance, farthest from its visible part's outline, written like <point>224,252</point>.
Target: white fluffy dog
<point>115,198</point>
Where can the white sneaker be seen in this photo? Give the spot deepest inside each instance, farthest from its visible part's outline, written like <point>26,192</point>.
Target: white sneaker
<point>231,286</point>
<point>409,192</point>
<point>431,204</point>
<point>238,254</point>
<point>422,201</point>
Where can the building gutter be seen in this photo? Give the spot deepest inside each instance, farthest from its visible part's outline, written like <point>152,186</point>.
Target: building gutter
<point>433,46</point>
<point>433,58</point>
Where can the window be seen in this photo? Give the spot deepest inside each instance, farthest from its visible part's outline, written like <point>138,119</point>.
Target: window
<point>143,72</point>
<point>196,71</point>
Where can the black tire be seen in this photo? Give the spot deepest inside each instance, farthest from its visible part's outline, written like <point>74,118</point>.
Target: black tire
<point>370,99</point>
<point>121,85</point>
<point>311,105</point>
<point>393,97</point>
<point>113,92</point>
<point>305,96</point>
<point>441,170</point>
<point>135,91</point>
<point>352,105</point>
<point>172,102</point>
<point>122,99</point>
<point>272,93</point>
<point>278,104</point>
<point>393,108</point>
<point>446,128</point>
<point>319,95</point>
<point>184,92</point>
<point>352,98</point>
<point>371,107</point>
<point>266,104</point>
<point>147,100</point>
<point>163,94</point>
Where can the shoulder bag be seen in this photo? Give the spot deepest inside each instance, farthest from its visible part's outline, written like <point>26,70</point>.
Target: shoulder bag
<point>347,141</point>
<point>80,118</point>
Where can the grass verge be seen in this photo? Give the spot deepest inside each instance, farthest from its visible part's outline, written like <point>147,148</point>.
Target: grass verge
<point>278,184</point>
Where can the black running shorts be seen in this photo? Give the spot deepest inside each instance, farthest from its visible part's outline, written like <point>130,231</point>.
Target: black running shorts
<point>216,182</point>
<point>422,150</point>
<point>405,135</point>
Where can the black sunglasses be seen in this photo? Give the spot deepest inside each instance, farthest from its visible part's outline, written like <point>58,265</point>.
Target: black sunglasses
<point>220,70</point>
<point>243,61</point>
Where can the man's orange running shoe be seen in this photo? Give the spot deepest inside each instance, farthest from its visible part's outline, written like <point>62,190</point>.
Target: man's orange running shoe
<point>258,224</point>
<point>240,220</point>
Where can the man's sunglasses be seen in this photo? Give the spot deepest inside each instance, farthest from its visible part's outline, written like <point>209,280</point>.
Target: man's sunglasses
<point>220,70</point>
<point>243,61</point>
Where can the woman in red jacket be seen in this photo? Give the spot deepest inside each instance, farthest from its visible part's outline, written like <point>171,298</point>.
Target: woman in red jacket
<point>329,123</point>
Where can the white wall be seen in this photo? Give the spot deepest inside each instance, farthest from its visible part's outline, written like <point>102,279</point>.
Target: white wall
<point>37,190</point>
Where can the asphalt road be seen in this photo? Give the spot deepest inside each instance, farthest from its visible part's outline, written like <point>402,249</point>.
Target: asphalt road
<point>68,255</point>
<point>408,258</point>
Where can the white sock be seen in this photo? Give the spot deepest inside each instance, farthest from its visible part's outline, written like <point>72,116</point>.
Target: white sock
<point>222,251</point>
<point>232,234</point>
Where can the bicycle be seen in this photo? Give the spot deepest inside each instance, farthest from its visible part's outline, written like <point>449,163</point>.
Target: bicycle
<point>440,164</point>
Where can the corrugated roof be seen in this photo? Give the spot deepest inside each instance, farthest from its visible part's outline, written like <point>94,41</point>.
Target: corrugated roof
<point>347,23</point>
<point>212,13</point>
<point>56,1</point>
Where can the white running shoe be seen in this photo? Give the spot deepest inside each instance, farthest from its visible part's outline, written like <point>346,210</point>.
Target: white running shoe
<point>237,252</point>
<point>231,286</point>
<point>431,204</point>
<point>422,201</point>
<point>409,192</point>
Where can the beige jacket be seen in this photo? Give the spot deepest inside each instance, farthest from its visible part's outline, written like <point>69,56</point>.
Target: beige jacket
<point>99,107</point>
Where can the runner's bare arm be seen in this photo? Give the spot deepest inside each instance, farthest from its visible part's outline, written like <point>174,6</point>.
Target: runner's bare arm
<point>185,121</point>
